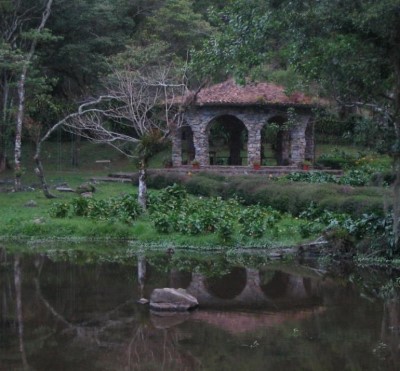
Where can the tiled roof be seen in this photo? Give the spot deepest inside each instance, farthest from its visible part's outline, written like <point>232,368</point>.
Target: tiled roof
<point>262,93</point>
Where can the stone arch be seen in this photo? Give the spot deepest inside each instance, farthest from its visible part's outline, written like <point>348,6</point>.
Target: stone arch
<point>276,141</point>
<point>227,130</point>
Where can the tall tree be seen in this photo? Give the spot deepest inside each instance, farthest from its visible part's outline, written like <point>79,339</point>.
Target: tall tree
<point>22,27</point>
<point>21,91</point>
<point>349,49</point>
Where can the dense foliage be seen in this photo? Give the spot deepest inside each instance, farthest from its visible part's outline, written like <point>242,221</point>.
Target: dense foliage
<point>172,210</point>
<point>348,53</point>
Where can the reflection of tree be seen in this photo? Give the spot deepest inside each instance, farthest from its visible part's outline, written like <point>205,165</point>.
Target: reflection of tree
<point>152,349</point>
<point>122,333</point>
<point>20,319</point>
<point>141,273</point>
<point>85,330</point>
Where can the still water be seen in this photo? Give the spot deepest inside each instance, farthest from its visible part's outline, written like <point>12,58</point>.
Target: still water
<point>70,310</point>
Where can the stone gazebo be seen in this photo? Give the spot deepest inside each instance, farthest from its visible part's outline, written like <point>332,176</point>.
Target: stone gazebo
<point>244,114</point>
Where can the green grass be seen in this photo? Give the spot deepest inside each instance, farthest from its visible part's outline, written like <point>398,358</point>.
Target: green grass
<point>18,221</point>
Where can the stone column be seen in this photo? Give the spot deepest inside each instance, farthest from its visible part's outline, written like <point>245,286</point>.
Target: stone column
<point>177,148</point>
<point>254,145</point>
<point>200,139</point>
<point>298,139</point>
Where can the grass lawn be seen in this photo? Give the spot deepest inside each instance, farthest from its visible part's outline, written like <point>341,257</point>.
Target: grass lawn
<point>19,220</point>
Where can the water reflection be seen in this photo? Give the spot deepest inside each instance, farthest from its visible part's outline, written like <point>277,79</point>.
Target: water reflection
<point>63,313</point>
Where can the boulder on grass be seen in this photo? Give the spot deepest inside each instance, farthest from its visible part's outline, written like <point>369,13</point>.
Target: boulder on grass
<point>172,300</point>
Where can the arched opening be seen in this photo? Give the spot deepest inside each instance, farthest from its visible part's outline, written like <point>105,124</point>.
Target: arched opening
<point>275,142</point>
<point>227,137</point>
<point>188,150</point>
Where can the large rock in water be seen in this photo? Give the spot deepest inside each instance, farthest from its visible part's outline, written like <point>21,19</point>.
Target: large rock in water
<point>172,300</point>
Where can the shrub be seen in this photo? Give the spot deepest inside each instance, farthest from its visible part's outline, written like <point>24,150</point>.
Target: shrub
<point>311,177</point>
<point>60,210</point>
<point>123,208</point>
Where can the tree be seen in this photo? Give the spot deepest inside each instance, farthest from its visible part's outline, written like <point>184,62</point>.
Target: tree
<point>21,92</point>
<point>20,34</point>
<point>137,114</point>
<point>89,31</point>
<point>178,26</point>
<point>349,50</point>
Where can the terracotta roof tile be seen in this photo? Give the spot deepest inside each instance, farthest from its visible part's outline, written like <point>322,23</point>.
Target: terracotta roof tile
<point>262,93</point>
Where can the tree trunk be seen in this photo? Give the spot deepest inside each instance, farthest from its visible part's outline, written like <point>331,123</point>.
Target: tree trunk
<point>40,173</point>
<point>39,167</point>
<point>3,124</point>
<point>142,197</point>
<point>21,99</point>
<point>18,129</point>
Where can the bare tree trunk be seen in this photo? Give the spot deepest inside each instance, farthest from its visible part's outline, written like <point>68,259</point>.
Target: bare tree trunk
<point>18,128</point>
<point>3,125</point>
<point>21,99</point>
<point>40,173</point>
<point>142,196</point>
<point>39,167</point>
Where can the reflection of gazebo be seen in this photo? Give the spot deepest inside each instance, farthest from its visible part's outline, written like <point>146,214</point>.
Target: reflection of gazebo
<point>242,117</point>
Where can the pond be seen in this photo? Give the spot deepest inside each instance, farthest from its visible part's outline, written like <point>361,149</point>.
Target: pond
<point>71,310</point>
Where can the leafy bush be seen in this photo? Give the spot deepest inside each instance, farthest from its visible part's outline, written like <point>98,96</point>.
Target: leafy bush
<point>60,210</point>
<point>354,177</point>
<point>171,210</point>
<point>311,177</point>
<point>123,208</point>
<point>341,226</point>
